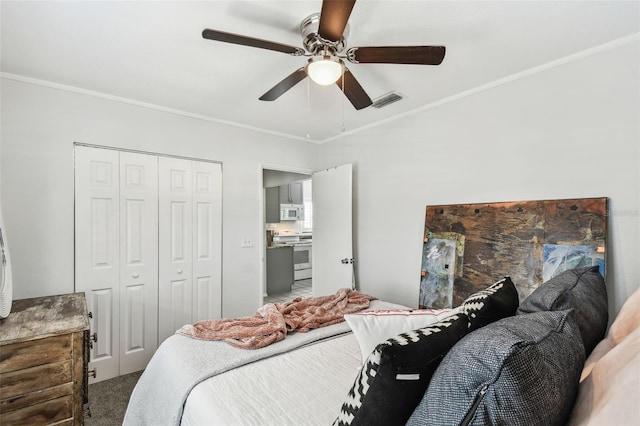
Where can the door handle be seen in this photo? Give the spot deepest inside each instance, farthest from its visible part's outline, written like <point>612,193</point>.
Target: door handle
<point>346,261</point>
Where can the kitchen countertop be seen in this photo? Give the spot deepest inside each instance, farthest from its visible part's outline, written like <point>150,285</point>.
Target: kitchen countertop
<point>278,246</point>
<point>283,245</point>
<point>292,240</point>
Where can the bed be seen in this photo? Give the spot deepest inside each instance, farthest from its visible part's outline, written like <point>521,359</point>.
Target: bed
<point>501,356</point>
<point>310,378</point>
<point>258,387</point>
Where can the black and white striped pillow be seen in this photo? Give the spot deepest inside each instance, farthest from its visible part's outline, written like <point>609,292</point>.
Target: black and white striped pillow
<point>396,374</point>
<point>497,301</point>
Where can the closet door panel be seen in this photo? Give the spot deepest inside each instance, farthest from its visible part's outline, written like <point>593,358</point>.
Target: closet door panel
<point>138,260</point>
<point>97,257</point>
<point>180,307</point>
<point>175,245</point>
<point>207,240</point>
<point>100,304</point>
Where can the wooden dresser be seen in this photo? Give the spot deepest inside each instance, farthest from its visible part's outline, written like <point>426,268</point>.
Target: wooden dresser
<point>43,361</point>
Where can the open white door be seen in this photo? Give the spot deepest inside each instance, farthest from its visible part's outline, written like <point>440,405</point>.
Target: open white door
<point>332,255</point>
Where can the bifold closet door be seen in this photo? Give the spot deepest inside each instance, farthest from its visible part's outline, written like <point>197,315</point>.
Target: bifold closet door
<point>175,246</point>
<point>190,215</point>
<point>207,241</point>
<point>116,231</point>
<point>138,260</point>
<point>97,256</point>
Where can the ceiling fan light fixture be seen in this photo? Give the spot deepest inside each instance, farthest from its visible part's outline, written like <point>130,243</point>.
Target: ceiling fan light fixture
<point>324,70</point>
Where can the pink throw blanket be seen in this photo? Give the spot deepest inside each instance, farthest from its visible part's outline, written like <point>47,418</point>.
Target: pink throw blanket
<point>272,322</point>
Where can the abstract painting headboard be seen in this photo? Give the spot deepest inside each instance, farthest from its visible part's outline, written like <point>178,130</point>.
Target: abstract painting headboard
<point>468,247</point>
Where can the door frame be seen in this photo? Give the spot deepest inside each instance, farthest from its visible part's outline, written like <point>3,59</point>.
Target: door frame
<point>261,238</point>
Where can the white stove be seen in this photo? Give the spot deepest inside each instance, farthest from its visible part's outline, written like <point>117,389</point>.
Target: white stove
<point>301,244</point>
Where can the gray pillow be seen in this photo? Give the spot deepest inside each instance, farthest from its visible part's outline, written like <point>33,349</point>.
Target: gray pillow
<point>582,289</point>
<point>521,370</point>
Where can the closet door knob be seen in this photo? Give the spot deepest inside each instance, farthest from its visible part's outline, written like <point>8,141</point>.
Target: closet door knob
<point>179,271</point>
<point>136,275</point>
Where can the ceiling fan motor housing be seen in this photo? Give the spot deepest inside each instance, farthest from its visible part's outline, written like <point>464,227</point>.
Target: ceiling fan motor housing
<point>317,45</point>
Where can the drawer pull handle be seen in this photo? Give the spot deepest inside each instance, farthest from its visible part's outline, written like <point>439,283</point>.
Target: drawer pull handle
<point>93,373</point>
<point>93,338</point>
<point>179,271</point>
<point>136,275</point>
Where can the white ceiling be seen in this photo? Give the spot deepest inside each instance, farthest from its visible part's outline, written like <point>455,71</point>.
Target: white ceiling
<point>152,52</point>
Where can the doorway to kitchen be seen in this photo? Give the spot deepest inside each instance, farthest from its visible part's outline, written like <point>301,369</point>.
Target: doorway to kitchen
<point>288,230</point>
<point>328,233</point>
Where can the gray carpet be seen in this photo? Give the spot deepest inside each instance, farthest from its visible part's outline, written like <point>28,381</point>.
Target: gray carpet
<point>108,400</point>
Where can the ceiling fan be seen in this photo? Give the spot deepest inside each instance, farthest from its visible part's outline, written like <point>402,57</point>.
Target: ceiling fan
<point>324,38</point>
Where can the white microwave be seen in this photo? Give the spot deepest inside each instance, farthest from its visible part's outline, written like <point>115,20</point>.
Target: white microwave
<point>291,212</point>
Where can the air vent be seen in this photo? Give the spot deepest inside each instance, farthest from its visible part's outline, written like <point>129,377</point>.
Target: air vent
<point>387,99</point>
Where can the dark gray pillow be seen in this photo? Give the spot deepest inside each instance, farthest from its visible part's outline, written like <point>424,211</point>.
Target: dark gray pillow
<point>521,370</point>
<point>497,301</point>
<point>582,289</point>
<point>395,376</point>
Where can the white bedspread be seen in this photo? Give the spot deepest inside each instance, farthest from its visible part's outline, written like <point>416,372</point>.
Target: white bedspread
<point>304,387</point>
<point>182,363</point>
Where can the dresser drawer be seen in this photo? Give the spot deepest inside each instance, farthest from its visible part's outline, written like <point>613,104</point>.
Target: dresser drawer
<point>17,402</point>
<point>43,413</point>
<point>34,379</point>
<point>23,355</point>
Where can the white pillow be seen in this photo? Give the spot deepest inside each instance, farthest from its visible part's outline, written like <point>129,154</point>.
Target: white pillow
<point>374,327</point>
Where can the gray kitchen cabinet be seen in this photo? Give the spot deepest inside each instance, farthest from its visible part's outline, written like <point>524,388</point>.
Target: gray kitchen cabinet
<point>272,205</point>
<point>279,270</point>
<point>291,193</point>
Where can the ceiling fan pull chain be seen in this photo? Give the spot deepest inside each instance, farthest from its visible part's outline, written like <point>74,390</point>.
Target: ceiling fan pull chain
<point>308,111</point>
<point>342,77</point>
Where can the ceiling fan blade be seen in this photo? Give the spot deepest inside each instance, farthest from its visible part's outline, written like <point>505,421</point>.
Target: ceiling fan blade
<point>353,91</point>
<point>417,55</point>
<point>250,41</point>
<point>333,18</point>
<point>287,83</point>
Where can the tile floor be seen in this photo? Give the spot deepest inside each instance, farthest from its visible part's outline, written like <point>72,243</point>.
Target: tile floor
<point>300,288</point>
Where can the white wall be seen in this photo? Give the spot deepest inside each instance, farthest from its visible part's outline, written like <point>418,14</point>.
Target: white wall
<point>39,127</point>
<point>568,132</point>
